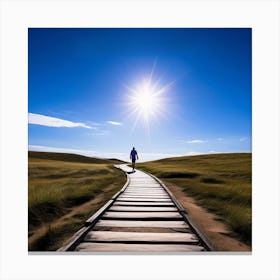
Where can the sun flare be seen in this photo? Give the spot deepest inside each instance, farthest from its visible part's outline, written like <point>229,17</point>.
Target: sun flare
<point>148,101</point>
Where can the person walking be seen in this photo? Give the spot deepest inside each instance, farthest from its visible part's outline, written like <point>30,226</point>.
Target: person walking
<point>133,156</point>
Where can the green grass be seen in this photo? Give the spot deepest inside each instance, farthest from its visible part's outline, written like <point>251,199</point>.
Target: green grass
<point>57,183</point>
<point>219,182</point>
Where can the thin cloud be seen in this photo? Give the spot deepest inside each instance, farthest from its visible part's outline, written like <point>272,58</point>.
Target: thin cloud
<point>38,148</point>
<point>195,141</point>
<point>114,123</point>
<point>103,132</point>
<point>243,139</point>
<point>53,122</point>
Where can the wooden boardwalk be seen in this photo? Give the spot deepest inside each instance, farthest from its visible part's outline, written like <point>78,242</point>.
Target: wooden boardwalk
<point>143,216</point>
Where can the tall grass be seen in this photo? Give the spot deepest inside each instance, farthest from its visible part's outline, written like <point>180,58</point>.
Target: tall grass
<point>220,182</point>
<point>55,187</point>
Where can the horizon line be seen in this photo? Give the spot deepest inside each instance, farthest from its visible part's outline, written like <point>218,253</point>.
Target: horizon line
<point>90,154</point>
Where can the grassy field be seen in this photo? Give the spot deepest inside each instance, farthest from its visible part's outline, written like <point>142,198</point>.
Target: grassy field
<point>219,182</point>
<point>57,185</point>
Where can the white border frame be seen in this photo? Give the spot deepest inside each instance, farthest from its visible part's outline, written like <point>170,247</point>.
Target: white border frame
<point>17,16</point>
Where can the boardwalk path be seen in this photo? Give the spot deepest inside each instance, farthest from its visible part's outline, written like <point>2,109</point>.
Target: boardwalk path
<point>143,216</point>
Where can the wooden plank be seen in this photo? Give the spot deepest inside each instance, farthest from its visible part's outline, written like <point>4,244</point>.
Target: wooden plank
<point>142,229</point>
<point>142,178</point>
<point>143,196</point>
<point>113,236</point>
<point>141,215</point>
<point>147,185</point>
<point>157,185</point>
<point>150,224</point>
<point>145,199</point>
<point>147,179</point>
<point>141,175</point>
<point>146,190</point>
<point>142,209</point>
<point>144,183</point>
<point>145,193</point>
<point>115,247</point>
<point>135,203</point>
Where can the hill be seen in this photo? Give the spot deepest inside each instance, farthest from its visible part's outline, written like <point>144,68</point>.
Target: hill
<point>71,158</point>
<point>222,183</point>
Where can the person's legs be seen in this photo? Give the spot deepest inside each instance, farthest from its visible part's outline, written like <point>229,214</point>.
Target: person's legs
<point>133,165</point>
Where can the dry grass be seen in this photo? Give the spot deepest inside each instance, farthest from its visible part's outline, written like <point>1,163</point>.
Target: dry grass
<point>55,187</point>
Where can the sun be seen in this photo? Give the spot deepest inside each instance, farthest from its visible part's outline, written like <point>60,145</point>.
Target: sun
<point>148,100</point>
<point>145,100</point>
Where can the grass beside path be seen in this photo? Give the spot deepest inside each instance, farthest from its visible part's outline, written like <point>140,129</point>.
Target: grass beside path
<point>219,182</point>
<point>59,184</point>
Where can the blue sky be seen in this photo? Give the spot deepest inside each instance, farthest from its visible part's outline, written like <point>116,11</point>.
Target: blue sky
<point>85,91</point>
